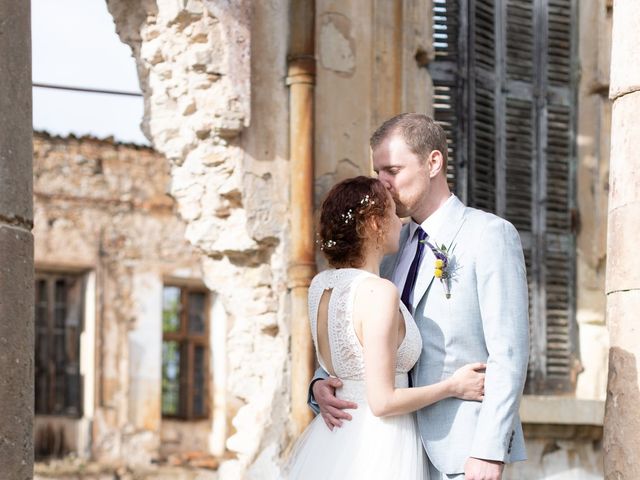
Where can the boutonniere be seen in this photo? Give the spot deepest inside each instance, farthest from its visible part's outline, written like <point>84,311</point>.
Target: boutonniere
<point>442,268</point>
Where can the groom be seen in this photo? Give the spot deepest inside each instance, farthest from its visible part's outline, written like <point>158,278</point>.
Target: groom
<point>462,275</point>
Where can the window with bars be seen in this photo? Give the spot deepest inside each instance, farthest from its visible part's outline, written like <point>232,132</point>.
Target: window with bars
<point>505,92</point>
<point>185,353</point>
<point>59,309</point>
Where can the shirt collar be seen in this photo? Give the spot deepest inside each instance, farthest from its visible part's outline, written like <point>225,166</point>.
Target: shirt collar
<point>434,222</point>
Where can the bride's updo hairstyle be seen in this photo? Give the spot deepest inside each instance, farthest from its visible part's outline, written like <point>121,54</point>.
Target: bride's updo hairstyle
<point>346,219</point>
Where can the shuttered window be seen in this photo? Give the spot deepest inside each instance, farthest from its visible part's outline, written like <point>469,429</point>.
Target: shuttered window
<point>58,324</point>
<point>504,83</point>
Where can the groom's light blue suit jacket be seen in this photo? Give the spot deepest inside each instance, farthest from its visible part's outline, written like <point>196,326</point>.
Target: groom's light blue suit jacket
<point>484,320</point>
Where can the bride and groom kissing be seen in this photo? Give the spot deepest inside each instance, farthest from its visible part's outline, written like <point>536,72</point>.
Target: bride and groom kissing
<point>421,330</point>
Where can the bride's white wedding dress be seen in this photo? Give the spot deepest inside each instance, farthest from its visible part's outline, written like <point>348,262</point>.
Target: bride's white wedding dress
<point>367,447</point>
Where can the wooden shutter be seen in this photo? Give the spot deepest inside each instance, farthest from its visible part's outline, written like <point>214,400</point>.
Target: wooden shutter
<point>483,101</point>
<point>42,360</point>
<point>59,323</point>
<point>73,327</point>
<point>448,73</point>
<point>521,150</point>
<point>558,164</point>
<point>505,94</point>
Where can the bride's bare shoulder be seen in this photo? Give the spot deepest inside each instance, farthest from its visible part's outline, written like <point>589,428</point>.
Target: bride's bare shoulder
<point>375,293</point>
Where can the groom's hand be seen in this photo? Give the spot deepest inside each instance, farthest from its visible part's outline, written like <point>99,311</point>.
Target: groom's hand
<point>331,408</point>
<point>479,469</point>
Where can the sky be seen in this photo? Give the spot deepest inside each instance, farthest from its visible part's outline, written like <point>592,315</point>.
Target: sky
<point>74,44</point>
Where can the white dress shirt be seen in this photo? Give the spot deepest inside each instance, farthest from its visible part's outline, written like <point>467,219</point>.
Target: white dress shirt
<point>431,226</point>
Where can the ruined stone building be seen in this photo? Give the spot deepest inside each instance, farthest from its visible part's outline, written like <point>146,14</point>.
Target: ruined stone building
<point>255,109</point>
<point>117,290</point>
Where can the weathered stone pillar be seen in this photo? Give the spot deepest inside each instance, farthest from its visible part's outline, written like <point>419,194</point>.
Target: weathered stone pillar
<point>622,422</point>
<point>16,243</point>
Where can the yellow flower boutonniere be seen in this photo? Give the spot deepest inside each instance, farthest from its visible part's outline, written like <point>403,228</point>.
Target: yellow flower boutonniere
<point>442,266</point>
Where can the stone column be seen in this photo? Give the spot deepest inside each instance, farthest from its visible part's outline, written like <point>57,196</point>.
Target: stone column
<point>16,243</point>
<point>622,422</point>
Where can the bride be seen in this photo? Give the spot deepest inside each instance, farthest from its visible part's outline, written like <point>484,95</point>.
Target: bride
<point>366,337</point>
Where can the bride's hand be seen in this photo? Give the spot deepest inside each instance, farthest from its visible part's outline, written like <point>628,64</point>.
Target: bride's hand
<point>468,382</point>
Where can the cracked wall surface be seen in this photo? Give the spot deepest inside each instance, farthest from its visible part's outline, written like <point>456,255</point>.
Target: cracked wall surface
<point>216,107</point>
<point>102,211</point>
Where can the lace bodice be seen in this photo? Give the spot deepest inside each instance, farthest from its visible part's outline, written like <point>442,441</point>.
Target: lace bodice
<point>346,351</point>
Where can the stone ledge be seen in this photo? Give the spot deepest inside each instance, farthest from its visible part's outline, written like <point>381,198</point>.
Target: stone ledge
<point>542,409</point>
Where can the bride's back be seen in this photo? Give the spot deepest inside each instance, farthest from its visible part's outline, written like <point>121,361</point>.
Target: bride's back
<point>330,311</point>
<point>335,325</point>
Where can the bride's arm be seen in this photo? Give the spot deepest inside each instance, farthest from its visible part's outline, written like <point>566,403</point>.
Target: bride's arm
<point>377,304</point>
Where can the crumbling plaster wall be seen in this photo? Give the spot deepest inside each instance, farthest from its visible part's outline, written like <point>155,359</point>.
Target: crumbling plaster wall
<point>216,106</point>
<point>103,209</point>
<point>369,67</point>
<point>592,175</point>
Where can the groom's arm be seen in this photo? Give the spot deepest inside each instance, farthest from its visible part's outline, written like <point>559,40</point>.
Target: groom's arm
<point>503,297</point>
<point>311,400</point>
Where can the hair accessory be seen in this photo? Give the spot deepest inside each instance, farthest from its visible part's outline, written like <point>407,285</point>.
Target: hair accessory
<point>327,244</point>
<point>347,217</point>
<point>364,202</point>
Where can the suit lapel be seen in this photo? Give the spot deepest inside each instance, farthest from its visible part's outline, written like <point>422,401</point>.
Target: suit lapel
<point>446,235</point>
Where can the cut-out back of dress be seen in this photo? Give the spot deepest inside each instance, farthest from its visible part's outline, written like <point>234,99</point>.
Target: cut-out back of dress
<point>347,359</point>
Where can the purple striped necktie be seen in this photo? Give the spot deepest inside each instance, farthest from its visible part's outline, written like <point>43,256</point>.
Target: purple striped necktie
<point>410,282</point>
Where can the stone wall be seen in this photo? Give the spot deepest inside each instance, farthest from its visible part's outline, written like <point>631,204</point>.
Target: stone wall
<point>216,106</point>
<point>594,130</point>
<point>369,61</point>
<point>102,210</point>
<point>560,454</point>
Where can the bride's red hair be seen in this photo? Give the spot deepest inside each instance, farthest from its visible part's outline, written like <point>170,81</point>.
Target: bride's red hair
<point>345,219</point>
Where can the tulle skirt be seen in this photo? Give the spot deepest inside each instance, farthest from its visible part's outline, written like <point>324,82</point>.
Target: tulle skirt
<point>367,447</point>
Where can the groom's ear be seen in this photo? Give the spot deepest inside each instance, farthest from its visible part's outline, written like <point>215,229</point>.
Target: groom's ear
<point>435,163</point>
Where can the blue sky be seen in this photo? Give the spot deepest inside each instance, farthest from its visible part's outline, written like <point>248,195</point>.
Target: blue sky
<point>75,45</point>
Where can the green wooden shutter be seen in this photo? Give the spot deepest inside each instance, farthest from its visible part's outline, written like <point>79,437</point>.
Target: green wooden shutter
<point>505,94</point>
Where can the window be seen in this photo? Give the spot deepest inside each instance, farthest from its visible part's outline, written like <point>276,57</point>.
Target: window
<point>504,90</point>
<point>59,321</point>
<point>185,353</point>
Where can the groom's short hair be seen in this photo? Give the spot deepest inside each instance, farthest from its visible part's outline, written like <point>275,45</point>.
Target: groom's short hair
<point>420,132</point>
